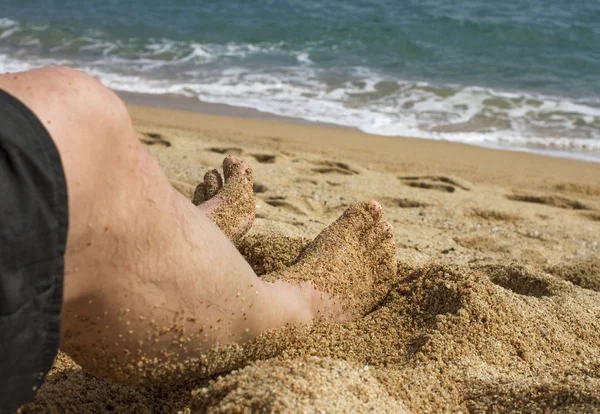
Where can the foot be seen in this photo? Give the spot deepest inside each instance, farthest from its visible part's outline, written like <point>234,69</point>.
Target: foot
<point>230,204</point>
<point>352,261</point>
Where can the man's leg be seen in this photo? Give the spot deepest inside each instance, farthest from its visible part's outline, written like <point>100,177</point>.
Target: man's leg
<point>140,255</point>
<point>147,274</point>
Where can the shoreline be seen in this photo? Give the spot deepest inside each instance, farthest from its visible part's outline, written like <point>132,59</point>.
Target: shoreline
<point>406,155</point>
<point>190,104</point>
<point>195,105</point>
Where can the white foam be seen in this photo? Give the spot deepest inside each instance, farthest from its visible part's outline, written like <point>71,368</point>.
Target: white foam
<point>8,64</point>
<point>530,122</point>
<point>303,57</point>
<point>9,32</point>
<point>4,23</point>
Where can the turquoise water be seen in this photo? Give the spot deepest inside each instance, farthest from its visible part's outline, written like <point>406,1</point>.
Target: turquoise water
<point>522,73</point>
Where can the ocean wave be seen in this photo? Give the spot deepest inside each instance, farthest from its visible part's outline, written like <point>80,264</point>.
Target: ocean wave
<point>95,44</point>
<point>4,23</point>
<point>280,79</point>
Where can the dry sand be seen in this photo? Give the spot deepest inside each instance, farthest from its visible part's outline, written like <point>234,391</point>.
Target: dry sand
<point>495,306</point>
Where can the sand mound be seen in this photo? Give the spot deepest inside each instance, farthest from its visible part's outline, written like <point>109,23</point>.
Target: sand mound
<point>585,274</point>
<point>444,338</point>
<point>447,337</point>
<point>298,385</point>
<point>268,253</point>
<point>559,393</point>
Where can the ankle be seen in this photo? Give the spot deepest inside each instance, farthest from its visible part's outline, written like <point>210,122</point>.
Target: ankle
<point>287,304</point>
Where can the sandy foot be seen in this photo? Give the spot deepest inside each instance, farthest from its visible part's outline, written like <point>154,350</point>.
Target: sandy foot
<point>352,259</point>
<point>229,203</point>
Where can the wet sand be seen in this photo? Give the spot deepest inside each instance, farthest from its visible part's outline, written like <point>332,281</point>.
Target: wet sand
<point>495,306</point>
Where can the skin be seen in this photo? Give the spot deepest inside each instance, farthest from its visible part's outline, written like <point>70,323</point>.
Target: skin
<point>143,264</point>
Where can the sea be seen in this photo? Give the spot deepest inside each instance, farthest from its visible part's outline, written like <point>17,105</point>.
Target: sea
<point>516,74</point>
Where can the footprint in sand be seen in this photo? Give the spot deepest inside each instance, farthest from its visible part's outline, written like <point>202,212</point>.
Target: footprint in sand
<point>306,181</point>
<point>549,200</point>
<point>495,215</point>
<point>259,188</point>
<point>281,202</point>
<point>333,167</point>
<point>227,150</point>
<point>592,216</point>
<point>402,202</point>
<point>334,184</point>
<point>483,243</point>
<point>580,189</point>
<point>154,138</point>
<point>519,280</point>
<point>436,182</point>
<point>265,158</point>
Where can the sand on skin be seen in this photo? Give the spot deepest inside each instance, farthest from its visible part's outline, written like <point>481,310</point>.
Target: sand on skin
<point>495,306</point>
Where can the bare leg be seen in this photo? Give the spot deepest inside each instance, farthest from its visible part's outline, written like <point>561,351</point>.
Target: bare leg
<point>140,255</point>
<point>147,274</point>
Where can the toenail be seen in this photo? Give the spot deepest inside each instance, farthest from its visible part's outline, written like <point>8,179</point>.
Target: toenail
<point>231,160</point>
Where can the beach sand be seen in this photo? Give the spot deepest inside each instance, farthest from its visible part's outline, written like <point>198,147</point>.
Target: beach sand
<point>495,306</point>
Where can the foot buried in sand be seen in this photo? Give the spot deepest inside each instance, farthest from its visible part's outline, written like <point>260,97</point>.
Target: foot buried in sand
<point>352,260</point>
<point>229,203</point>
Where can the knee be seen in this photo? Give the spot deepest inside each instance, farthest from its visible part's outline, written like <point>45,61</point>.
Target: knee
<point>85,96</point>
<point>66,96</point>
<point>87,121</point>
<point>71,82</point>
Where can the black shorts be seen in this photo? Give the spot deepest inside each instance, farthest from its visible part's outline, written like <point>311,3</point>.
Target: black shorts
<point>33,235</point>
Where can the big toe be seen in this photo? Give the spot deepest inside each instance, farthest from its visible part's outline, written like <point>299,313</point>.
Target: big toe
<point>236,168</point>
<point>379,242</point>
<point>361,216</point>
<point>381,232</point>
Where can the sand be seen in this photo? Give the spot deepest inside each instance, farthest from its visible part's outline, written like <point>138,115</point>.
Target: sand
<point>495,306</point>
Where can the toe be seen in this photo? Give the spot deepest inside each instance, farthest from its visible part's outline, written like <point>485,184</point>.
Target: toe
<point>387,266</point>
<point>235,167</point>
<point>387,247</point>
<point>362,215</point>
<point>198,194</point>
<point>386,229</point>
<point>213,182</point>
<point>379,233</point>
<point>381,250</point>
<point>371,208</point>
<point>208,188</point>
<point>379,243</point>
